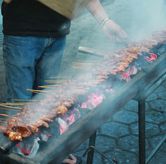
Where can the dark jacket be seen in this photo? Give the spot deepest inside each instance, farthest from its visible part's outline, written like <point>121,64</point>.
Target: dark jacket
<point>31,18</point>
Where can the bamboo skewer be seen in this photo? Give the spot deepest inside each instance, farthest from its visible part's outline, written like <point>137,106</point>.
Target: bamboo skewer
<point>50,86</point>
<point>23,100</point>
<point>53,82</point>
<point>76,83</point>
<point>86,61</point>
<point>80,68</point>
<point>60,82</point>
<point>45,86</point>
<point>10,107</point>
<point>14,103</point>
<point>85,64</point>
<point>60,77</point>
<point>37,91</point>
<point>4,115</point>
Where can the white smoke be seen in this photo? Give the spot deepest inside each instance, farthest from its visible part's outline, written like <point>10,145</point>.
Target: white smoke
<point>140,17</point>
<point>149,16</point>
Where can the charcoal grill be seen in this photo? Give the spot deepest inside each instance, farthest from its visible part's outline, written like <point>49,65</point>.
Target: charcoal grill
<point>149,78</point>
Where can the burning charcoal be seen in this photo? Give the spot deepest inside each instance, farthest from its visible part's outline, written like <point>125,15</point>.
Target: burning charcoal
<point>132,70</point>
<point>63,126</point>
<point>152,57</point>
<point>28,148</point>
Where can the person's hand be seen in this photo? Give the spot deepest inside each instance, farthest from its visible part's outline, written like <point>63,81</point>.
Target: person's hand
<point>71,160</point>
<point>113,30</point>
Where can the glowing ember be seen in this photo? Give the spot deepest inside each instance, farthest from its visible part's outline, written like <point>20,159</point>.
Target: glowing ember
<point>151,58</point>
<point>93,100</point>
<point>127,74</point>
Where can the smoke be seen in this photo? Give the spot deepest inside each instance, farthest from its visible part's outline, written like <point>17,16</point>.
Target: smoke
<point>145,16</point>
<point>141,17</point>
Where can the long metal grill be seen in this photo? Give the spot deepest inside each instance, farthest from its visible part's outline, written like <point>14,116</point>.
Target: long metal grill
<point>151,66</point>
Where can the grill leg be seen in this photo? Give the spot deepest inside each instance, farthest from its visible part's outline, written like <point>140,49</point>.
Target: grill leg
<point>141,126</point>
<point>92,141</point>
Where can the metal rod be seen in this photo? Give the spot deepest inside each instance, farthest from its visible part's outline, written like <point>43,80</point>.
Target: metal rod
<point>141,126</point>
<point>92,141</point>
<point>91,51</point>
<point>154,151</point>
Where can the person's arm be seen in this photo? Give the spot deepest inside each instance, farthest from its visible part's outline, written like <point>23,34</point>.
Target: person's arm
<point>108,25</point>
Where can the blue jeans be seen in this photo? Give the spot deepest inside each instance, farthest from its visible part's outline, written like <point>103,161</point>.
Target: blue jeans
<point>29,62</point>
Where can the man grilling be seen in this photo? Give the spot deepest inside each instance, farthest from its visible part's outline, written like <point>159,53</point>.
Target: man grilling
<point>34,39</point>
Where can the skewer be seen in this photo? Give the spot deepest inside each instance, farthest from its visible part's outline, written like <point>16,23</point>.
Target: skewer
<point>88,61</point>
<point>85,63</point>
<point>48,86</point>
<point>74,82</point>
<point>54,87</point>
<point>10,107</point>
<point>36,91</point>
<point>61,80</point>
<point>44,86</point>
<point>14,103</point>
<point>60,77</point>
<point>24,100</point>
<point>80,67</point>
<point>91,51</point>
<point>4,115</point>
<point>53,82</point>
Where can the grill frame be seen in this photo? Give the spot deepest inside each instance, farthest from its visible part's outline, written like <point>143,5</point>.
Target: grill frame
<point>55,151</point>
